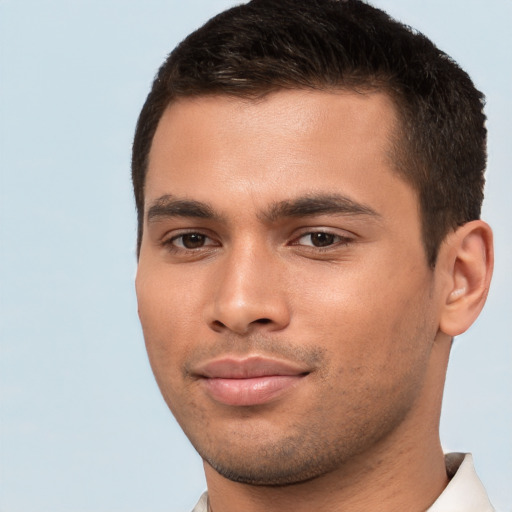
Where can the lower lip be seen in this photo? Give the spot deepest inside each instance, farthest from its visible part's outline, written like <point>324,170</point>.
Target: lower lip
<point>252,391</point>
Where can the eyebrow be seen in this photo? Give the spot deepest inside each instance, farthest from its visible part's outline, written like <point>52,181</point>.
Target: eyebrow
<point>318,204</point>
<point>168,206</point>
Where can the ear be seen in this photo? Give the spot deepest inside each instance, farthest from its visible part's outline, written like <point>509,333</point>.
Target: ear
<point>466,260</point>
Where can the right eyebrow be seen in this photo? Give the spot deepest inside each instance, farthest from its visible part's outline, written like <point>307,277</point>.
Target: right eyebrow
<point>319,204</point>
<point>167,206</point>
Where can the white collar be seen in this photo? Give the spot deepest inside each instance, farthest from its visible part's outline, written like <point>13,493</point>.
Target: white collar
<point>465,492</point>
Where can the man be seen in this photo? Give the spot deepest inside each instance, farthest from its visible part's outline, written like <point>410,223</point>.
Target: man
<point>308,177</point>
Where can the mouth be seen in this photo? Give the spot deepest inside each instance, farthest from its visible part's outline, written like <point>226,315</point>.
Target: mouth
<point>249,381</point>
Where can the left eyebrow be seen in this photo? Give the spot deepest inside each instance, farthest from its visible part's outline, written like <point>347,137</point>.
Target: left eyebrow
<point>318,204</point>
<point>168,206</point>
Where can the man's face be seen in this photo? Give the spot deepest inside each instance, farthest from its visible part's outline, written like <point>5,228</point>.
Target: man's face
<point>287,306</point>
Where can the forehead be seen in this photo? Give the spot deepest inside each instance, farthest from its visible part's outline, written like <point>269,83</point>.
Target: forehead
<point>290,142</point>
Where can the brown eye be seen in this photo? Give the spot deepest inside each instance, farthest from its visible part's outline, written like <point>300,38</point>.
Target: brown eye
<point>323,239</point>
<point>190,241</point>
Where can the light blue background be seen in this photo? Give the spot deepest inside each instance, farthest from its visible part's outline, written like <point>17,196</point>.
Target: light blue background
<point>83,427</point>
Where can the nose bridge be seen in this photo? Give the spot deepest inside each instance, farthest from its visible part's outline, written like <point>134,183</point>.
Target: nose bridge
<point>250,288</point>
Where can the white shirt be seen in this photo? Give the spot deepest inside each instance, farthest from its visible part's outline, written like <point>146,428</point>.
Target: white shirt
<point>464,493</point>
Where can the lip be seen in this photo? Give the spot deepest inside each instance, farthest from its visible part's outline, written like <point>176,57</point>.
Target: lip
<point>249,381</point>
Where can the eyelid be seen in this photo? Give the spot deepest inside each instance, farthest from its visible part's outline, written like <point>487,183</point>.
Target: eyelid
<point>169,238</point>
<point>182,245</point>
<point>343,238</point>
<point>309,230</point>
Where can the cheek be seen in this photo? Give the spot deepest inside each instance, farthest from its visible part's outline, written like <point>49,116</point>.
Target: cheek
<point>377,349</point>
<point>165,300</point>
<point>163,316</point>
<point>364,319</point>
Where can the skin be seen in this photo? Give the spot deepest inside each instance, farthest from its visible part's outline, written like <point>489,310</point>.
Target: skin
<point>236,272</point>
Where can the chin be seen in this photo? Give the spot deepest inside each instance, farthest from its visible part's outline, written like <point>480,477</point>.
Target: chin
<point>266,474</point>
<point>286,461</point>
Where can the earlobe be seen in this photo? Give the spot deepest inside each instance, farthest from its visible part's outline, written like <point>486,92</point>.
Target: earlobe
<point>467,258</point>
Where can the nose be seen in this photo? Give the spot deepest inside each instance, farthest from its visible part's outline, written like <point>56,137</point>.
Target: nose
<point>251,293</point>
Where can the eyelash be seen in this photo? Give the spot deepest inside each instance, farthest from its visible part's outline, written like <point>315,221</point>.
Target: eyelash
<point>340,240</point>
<point>170,242</point>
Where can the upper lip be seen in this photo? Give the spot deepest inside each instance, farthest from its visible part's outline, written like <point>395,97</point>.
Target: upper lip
<point>231,367</point>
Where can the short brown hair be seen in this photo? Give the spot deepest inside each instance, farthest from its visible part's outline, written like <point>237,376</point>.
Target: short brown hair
<point>266,45</point>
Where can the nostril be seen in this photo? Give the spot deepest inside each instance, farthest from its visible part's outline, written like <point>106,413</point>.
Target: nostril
<point>218,325</point>
<point>263,321</point>
<point>242,328</point>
